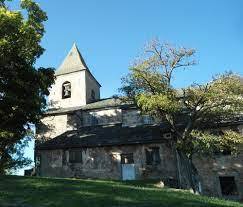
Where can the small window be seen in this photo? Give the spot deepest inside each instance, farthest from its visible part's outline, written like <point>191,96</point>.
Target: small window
<point>38,160</point>
<point>167,135</point>
<point>147,119</point>
<point>92,95</point>
<point>152,156</point>
<point>66,90</point>
<point>226,152</point>
<point>94,120</point>
<point>127,158</point>
<point>228,186</point>
<point>75,156</point>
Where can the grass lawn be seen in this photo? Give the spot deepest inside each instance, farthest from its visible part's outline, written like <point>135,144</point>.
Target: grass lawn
<point>51,192</point>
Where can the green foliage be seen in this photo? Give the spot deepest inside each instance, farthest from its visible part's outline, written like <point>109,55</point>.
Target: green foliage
<point>191,111</point>
<point>34,191</point>
<point>211,142</point>
<point>23,87</point>
<point>188,110</point>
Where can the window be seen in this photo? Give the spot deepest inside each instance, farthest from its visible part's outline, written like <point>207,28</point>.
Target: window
<point>92,95</point>
<point>228,186</point>
<point>152,156</point>
<point>147,119</point>
<point>167,135</point>
<point>66,90</point>
<point>75,156</point>
<point>94,120</point>
<point>127,158</point>
<point>226,152</point>
<point>38,160</point>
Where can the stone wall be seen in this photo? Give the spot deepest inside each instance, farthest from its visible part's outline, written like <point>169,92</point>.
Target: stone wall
<point>105,162</point>
<point>80,118</point>
<point>51,126</point>
<point>91,84</point>
<point>56,124</point>
<point>78,91</point>
<point>131,117</point>
<point>101,117</point>
<point>82,83</point>
<point>210,168</point>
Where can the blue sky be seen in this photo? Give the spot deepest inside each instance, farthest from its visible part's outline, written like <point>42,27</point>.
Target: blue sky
<point>110,34</point>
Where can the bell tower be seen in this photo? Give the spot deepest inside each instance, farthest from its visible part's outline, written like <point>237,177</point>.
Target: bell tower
<point>74,85</point>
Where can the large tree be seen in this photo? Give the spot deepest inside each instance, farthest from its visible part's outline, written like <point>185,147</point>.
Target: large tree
<point>23,87</point>
<point>190,112</point>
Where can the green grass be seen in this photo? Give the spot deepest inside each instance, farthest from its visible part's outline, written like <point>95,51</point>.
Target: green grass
<point>51,192</point>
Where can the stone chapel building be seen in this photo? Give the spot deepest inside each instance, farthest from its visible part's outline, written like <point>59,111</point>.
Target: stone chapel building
<point>82,135</point>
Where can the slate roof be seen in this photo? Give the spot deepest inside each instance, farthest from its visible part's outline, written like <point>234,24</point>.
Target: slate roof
<point>103,103</point>
<point>73,62</point>
<point>114,135</point>
<point>97,136</point>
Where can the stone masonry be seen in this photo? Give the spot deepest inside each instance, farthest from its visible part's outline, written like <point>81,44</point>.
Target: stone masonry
<point>113,140</point>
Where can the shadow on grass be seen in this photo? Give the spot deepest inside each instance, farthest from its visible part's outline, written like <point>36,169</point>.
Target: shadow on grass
<point>32,191</point>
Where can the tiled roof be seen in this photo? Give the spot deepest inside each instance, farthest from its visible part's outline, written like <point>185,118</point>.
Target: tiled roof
<point>95,136</point>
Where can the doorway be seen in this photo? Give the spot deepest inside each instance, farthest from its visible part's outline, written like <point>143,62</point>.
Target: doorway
<point>127,166</point>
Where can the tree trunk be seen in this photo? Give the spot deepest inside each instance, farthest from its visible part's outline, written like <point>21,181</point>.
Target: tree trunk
<point>188,169</point>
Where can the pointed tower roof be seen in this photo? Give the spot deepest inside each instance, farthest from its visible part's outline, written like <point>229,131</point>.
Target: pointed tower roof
<point>72,63</point>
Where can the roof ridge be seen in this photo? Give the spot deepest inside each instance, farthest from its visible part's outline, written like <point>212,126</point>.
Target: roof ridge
<point>80,56</point>
<point>101,103</point>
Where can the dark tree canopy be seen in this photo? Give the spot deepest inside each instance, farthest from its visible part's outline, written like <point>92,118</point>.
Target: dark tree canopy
<point>23,87</point>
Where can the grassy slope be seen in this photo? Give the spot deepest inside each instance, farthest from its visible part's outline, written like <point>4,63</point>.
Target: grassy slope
<point>32,191</point>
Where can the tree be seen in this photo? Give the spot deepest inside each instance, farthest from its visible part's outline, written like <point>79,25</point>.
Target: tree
<point>191,111</point>
<point>23,87</point>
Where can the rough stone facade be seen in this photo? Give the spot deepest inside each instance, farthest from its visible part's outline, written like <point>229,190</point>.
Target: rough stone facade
<point>105,163</point>
<point>84,111</point>
<point>57,123</point>
<point>220,165</point>
<point>210,169</point>
<point>131,117</point>
<point>101,117</point>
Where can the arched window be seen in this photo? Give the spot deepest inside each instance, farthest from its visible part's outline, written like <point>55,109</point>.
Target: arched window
<point>92,95</point>
<point>66,90</point>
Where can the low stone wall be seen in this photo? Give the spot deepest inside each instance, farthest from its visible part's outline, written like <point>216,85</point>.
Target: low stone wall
<point>105,163</point>
<point>210,169</point>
